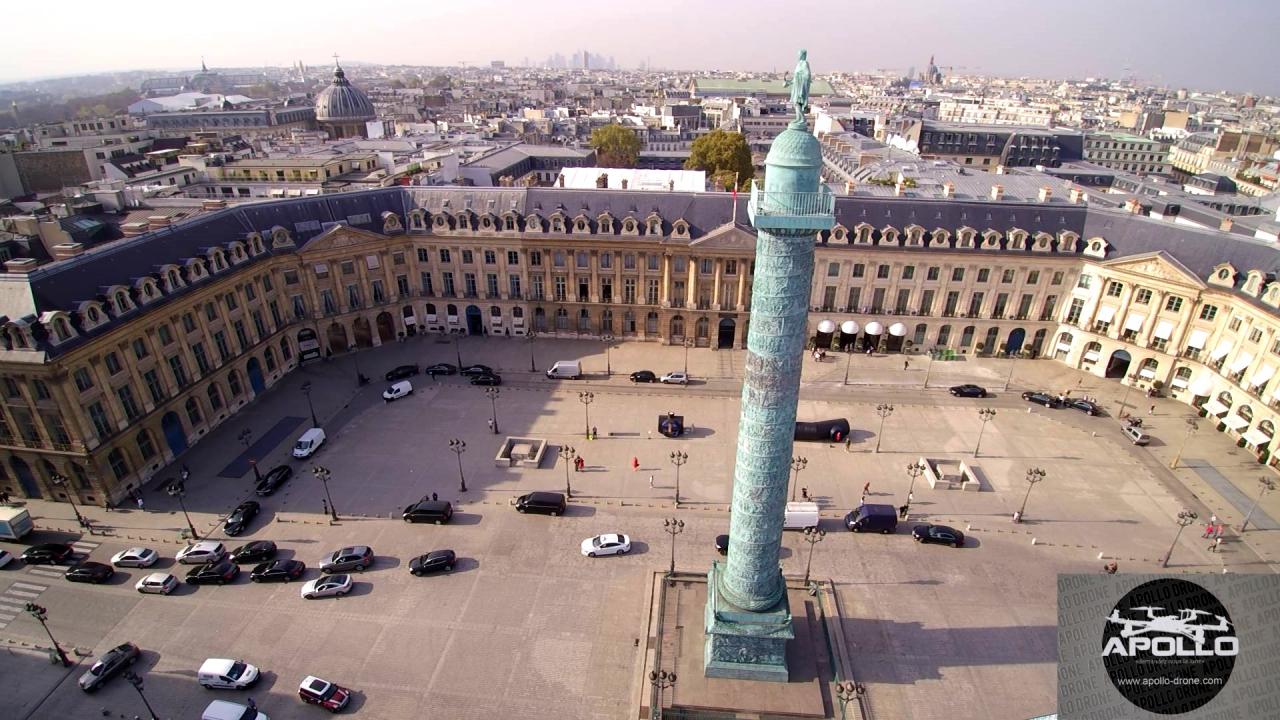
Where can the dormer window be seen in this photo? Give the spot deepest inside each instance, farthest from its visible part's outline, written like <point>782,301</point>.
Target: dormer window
<point>509,223</point>
<point>655,227</point>
<point>93,315</point>
<point>580,225</point>
<point>680,228</point>
<point>838,234</point>
<point>629,226</point>
<point>557,224</point>
<point>61,329</point>
<point>440,222</point>
<point>122,302</point>
<point>175,280</point>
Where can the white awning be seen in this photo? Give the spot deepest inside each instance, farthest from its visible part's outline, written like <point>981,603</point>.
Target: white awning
<point>1235,422</point>
<point>1134,321</point>
<point>1178,383</point>
<point>897,329</point>
<point>1203,386</point>
<point>1241,362</point>
<point>1256,437</point>
<point>826,326</point>
<point>1091,356</point>
<point>1106,313</point>
<point>1064,347</point>
<point>1147,373</point>
<point>874,328</point>
<point>1213,407</point>
<point>1224,347</point>
<point>1164,330</point>
<point>1261,377</point>
<point>1197,339</point>
<point>849,327</point>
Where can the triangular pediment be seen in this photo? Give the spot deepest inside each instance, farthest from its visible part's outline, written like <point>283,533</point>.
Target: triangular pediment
<point>727,237</point>
<point>1157,265</point>
<point>342,236</point>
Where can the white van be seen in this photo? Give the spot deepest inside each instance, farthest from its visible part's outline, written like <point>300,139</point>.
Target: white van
<point>310,442</point>
<point>223,710</point>
<point>565,370</point>
<point>800,515</point>
<point>226,674</point>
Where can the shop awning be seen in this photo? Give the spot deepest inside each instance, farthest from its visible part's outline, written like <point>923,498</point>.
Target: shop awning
<point>874,328</point>
<point>1197,339</point>
<point>1235,422</point>
<point>1164,330</point>
<point>1064,347</point>
<point>1261,377</point>
<point>826,326</point>
<point>1213,407</point>
<point>1224,347</point>
<point>1203,386</point>
<point>1147,373</point>
<point>849,327</point>
<point>1134,321</point>
<point>897,329</point>
<point>1091,356</point>
<point>1241,362</point>
<point>1178,383</point>
<point>1256,437</point>
<point>1106,313</point>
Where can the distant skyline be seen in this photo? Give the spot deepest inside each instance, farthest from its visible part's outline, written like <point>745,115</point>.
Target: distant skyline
<point>1227,45</point>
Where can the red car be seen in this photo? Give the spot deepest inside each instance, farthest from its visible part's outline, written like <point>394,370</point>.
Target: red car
<point>327,695</point>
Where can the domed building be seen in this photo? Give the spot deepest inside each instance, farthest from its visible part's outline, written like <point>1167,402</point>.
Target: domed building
<point>342,109</point>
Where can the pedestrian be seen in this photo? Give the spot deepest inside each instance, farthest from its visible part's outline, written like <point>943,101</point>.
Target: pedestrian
<point>1214,547</point>
<point>1217,532</point>
<point>594,433</point>
<point>434,497</point>
<point>905,364</point>
<point>1152,411</point>
<point>864,499</point>
<point>635,464</point>
<point>804,493</point>
<point>650,482</point>
<point>577,464</point>
<point>1111,568</point>
<point>848,444</point>
<point>866,489</point>
<point>910,496</point>
<point>324,504</point>
<point>1208,529</point>
<point>252,705</point>
<point>490,421</point>
<point>1213,519</point>
<point>140,504</point>
<point>902,511</point>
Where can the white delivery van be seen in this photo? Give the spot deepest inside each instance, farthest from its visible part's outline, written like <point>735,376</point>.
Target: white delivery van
<point>223,710</point>
<point>800,515</point>
<point>565,370</point>
<point>310,442</point>
<point>227,674</point>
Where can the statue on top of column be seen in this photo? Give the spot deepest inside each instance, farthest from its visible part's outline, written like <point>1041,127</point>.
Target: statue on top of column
<point>799,83</point>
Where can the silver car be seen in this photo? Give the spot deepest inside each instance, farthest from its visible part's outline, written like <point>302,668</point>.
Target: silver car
<point>157,583</point>
<point>329,586</point>
<point>138,557</point>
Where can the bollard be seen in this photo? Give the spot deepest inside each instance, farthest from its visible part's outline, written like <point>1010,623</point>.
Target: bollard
<point>1101,556</point>
<point>1033,541</point>
<point>968,527</point>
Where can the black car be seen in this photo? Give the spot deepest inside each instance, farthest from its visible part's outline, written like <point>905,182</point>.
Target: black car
<point>254,552</point>
<point>440,369</point>
<point>1085,406</point>
<point>111,663</point>
<point>640,376</point>
<point>477,370</point>
<point>434,561</point>
<point>486,380</point>
<point>547,503</point>
<point>722,544</point>
<point>940,534</point>
<point>239,518</point>
<point>427,510</point>
<point>272,481</point>
<point>90,572</point>
<point>278,571</point>
<point>1041,398</point>
<point>219,573</point>
<point>47,554</point>
<point>402,372</point>
<point>972,391</point>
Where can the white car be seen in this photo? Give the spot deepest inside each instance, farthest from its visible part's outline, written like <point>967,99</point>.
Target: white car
<point>676,378</point>
<point>5,557</point>
<point>328,586</point>
<point>607,544</point>
<point>138,557</point>
<point>157,584</point>
<point>205,551</point>
<point>397,391</point>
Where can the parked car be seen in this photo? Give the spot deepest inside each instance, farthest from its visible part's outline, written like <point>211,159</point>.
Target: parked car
<point>486,380</point>
<point>427,510</point>
<point>676,378</point>
<point>328,586</point>
<point>6,557</point>
<point>327,695</point>
<point>204,551</point>
<point>401,389</point>
<point>440,369</point>
<point>473,370</point>
<point>1042,398</point>
<point>138,557</point>
<point>972,391</point>
<point>107,666</point>
<point>434,561</point>
<point>722,544</point>
<point>606,544</point>
<point>239,518</point>
<point>357,557</point>
<point>219,573</point>
<point>254,552</point>
<point>1087,407</point>
<point>939,534</point>
<point>272,481</point>
<point>89,572</point>
<point>547,503</point>
<point>401,372</point>
<point>278,571</point>
<point>157,584</point>
<point>47,554</point>
<point>645,376</point>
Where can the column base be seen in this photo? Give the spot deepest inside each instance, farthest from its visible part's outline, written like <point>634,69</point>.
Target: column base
<point>741,644</point>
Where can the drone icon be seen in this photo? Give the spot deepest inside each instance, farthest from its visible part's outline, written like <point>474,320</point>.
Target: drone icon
<point>1179,624</point>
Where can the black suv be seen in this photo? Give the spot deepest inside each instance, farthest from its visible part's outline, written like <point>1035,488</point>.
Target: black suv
<point>428,510</point>
<point>434,561</point>
<point>402,372</point>
<point>547,503</point>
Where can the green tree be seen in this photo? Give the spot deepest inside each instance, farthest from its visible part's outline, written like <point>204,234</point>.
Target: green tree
<point>723,156</point>
<point>615,146</point>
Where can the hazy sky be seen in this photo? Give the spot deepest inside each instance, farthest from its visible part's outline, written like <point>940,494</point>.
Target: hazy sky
<point>1219,44</point>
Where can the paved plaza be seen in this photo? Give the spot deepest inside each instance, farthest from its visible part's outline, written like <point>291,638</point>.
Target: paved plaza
<point>527,627</point>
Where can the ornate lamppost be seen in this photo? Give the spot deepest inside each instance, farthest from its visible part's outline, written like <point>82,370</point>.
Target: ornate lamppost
<point>1265,485</point>
<point>586,398</point>
<point>985,415</point>
<point>42,615</point>
<point>915,470</point>
<point>813,536</point>
<point>136,682</point>
<point>492,393</point>
<point>797,464</point>
<point>178,489</point>
<point>678,458</point>
<point>458,447</point>
<point>323,474</point>
<point>306,390</point>
<point>1192,426</point>
<point>884,410</point>
<point>688,343</point>
<point>847,692</point>
<point>567,453</point>
<point>1034,475</point>
<point>607,339</point>
<point>660,680</point>
<point>1185,518</point>
<point>529,337</point>
<point>673,527</point>
<point>60,480</point>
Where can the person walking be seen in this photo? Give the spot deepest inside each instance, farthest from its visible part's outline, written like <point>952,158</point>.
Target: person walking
<point>635,464</point>
<point>1217,531</point>
<point>804,493</point>
<point>140,503</point>
<point>1216,543</point>
<point>1208,529</point>
<point>905,364</point>
<point>434,497</point>
<point>1152,411</point>
<point>650,482</point>
<point>866,489</point>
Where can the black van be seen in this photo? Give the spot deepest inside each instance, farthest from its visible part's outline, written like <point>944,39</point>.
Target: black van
<point>547,503</point>
<point>872,518</point>
<point>428,510</point>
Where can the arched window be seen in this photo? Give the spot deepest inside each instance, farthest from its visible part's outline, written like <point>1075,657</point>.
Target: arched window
<point>562,319</point>
<point>119,465</point>
<point>286,352</point>
<point>146,448</point>
<point>918,339</point>
<point>1224,397</point>
<point>269,357</point>
<point>1245,412</point>
<point>944,335</point>
<point>677,326</point>
<point>193,412</point>
<point>215,397</point>
<point>702,329</point>
<point>651,323</point>
<point>966,336</point>
<point>233,383</point>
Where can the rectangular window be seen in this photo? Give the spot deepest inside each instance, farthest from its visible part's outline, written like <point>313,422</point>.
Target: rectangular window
<point>202,358</point>
<point>491,284</point>
<point>348,267</point>
<point>513,257</point>
<point>1142,297</point>
<point>249,293</point>
<point>882,272</point>
<point>242,337</point>
<point>402,285</point>
<point>379,293</point>
<point>539,292</point>
<point>290,277</point>
<point>651,261</point>
<point>83,380</point>
<point>984,274</point>
<point>259,326</point>
<point>112,363</point>
<point>189,323</point>
<point>513,286</point>
<point>1208,312</point>
<point>606,289</point>
<point>859,270</point>
<point>11,388</point>
<point>275,314</point>
<point>230,299</point>
<point>1084,282</point>
<point>220,342</point>
<point>557,258</point>
<point>908,272</point>
<point>423,255</point>
<point>353,296</point>
<point>101,424</point>
<point>428,288</point>
<point>975,303</point>
<point>730,267</point>
<point>582,260</point>
<point>900,305</point>
<point>467,257</point>
<point>926,303</point>
<point>1255,335</point>
<point>1234,325</point>
<point>1024,306</point>
<point>949,308</point>
<point>1114,289</point>
<point>41,389</point>
<point>855,300</point>
<point>179,371</point>
<point>535,258</point>
<point>165,334</point>
<point>1002,302</point>
<point>140,349</point>
<point>1006,277</point>
<point>651,293</point>
<point>933,273</point>
<point>210,312</point>
<point>833,269</point>
<point>606,261</point>
<point>1057,278</point>
<point>266,284</point>
<point>559,287</point>
<point>629,290</point>
<point>326,300</point>
<point>957,275</point>
<point>1077,308</point>
<point>1033,277</point>
<point>449,288</point>
<point>490,257</point>
<point>152,379</point>
<point>444,255</point>
<point>469,284</point>
<point>1173,304</point>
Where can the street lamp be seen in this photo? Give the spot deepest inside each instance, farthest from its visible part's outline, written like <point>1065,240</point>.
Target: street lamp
<point>915,470</point>
<point>660,680</point>
<point>492,393</point>
<point>567,453</point>
<point>60,480</point>
<point>1125,399</point>
<point>136,682</point>
<point>884,410</point>
<point>688,343</point>
<point>1185,518</point>
<point>323,474</point>
<point>848,351</point>
<point>813,536</point>
<point>457,351</point>
<point>1008,379</point>
<point>586,398</point>
<point>246,438</point>
<point>1034,475</point>
<point>178,489</point>
<point>458,447</point>
<point>1265,485</point>
<point>607,339</point>
<point>361,380</point>
<point>673,527</point>
<point>797,464</point>
<point>678,458</point>
<point>529,336</point>
<point>1192,426</point>
<point>986,415</point>
<point>306,390</point>
<point>847,692</point>
<point>41,614</point>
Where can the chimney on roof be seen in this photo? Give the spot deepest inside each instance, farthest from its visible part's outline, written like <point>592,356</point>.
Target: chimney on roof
<point>948,189</point>
<point>156,222</point>
<point>1225,225</point>
<point>1132,205</point>
<point>21,266</point>
<point>900,187</point>
<point>1000,169</point>
<point>1046,192</point>
<point>133,228</point>
<point>1076,196</point>
<point>62,251</point>
<point>213,204</point>
<point>997,192</point>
